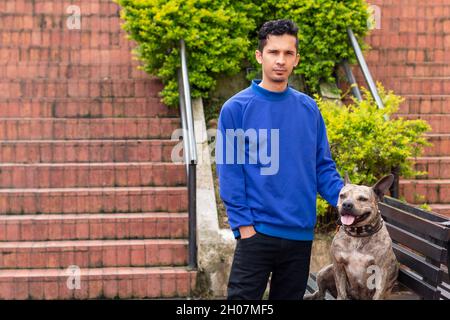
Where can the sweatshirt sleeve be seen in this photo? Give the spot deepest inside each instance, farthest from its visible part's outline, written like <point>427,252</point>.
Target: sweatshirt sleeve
<point>329,181</point>
<point>231,175</point>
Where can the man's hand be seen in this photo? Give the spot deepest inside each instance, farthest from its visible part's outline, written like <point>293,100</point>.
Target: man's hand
<point>247,231</point>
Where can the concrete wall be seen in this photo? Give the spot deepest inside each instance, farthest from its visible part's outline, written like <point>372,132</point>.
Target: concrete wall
<point>215,246</point>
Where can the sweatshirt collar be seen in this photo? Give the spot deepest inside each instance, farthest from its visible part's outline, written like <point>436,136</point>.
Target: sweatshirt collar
<point>271,95</point>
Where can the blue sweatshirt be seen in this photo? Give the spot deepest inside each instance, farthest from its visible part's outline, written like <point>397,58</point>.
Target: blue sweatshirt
<point>287,161</point>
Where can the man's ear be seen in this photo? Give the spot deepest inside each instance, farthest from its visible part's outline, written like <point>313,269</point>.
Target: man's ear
<point>258,56</point>
<point>383,185</point>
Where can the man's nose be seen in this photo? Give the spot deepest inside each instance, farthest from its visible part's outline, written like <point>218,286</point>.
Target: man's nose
<point>281,59</point>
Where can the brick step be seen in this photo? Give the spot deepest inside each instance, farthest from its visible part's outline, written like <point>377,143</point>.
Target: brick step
<point>438,122</point>
<point>93,226</point>
<point>74,88</point>
<point>93,254</point>
<point>413,9</point>
<point>380,54</point>
<point>58,21</point>
<point>437,167</point>
<point>63,38</point>
<point>112,54</point>
<point>85,200</point>
<point>424,85</point>
<point>413,24</point>
<point>408,70</point>
<point>443,209</point>
<point>85,108</point>
<point>98,283</point>
<point>63,151</point>
<point>440,147</point>
<point>71,175</point>
<point>36,70</point>
<point>410,40</point>
<point>103,7</point>
<point>425,104</point>
<point>80,129</point>
<point>429,191</point>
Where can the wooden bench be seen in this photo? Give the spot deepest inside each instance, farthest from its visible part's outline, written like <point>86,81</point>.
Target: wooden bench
<point>421,242</point>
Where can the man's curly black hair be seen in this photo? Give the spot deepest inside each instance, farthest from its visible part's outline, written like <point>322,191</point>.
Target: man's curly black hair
<point>278,28</point>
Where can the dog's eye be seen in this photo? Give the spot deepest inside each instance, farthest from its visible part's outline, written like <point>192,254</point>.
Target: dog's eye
<point>342,196</point>
<point>363,199</point>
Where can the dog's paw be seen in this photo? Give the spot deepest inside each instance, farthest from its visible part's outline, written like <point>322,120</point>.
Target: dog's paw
<point>313,296</point>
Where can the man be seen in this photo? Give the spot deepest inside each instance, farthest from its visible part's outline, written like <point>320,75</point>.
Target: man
<point>271,200</point>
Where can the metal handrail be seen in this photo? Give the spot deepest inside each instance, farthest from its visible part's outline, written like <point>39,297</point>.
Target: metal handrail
<point>373,90</point>
<point>365,68</point>
<point>189,152</point>
<point>352,80</point>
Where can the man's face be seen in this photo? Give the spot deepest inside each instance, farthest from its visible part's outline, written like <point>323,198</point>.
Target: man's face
<point>279,57</point>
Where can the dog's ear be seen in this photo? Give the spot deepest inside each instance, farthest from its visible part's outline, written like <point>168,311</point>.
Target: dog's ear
<point>346,179</point>
<point>383,185</point>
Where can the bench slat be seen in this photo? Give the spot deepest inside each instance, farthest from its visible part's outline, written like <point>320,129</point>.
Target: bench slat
<point>417,243</point>
<point>414,224</point>
<point>445,277</point>
<point>417,264</point>
<point>420,287</point>
<point>432,216</point>
<point>311,287</point>
<point>445,291</point>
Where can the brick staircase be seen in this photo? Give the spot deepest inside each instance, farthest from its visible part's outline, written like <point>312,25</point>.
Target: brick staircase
<point>86,177</point>
<point>411,55</point>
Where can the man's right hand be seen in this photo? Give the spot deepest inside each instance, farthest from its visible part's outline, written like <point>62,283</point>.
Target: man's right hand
<point>247,231</point>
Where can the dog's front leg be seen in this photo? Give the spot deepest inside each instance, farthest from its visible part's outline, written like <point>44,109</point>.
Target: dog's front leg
<point>340,277</point>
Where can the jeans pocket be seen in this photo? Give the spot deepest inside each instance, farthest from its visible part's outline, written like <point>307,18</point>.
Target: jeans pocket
<point>250,238</point>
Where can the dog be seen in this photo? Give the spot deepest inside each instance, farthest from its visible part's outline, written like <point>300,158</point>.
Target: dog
<point>364,266</point>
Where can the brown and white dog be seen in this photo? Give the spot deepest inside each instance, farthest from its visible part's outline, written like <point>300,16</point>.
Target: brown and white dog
<point>364,265</point>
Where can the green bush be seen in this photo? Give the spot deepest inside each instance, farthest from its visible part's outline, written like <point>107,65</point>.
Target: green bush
<point>367,146</point>
<point>221,37</point>
<point>215,32</point>
<point>323,40</point>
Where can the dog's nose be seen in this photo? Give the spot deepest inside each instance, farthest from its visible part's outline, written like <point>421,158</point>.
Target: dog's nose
<point>347,205</point>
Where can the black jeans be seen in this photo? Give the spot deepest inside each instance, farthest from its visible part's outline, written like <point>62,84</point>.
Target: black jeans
<point>256,257</point>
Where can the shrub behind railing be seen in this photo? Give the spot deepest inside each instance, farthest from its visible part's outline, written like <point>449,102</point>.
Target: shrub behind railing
<point>367,146</point>
<point>221,37</point>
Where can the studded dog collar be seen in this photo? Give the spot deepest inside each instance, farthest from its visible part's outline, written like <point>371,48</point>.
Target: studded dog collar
<point>364,231</point>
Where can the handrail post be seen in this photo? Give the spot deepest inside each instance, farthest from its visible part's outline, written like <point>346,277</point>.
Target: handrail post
<point>192,185</point>
<point>352,80</point>
<point>365,69</point>
<point>374,91</point>
<point>187,101</point>
<point>190,153</point>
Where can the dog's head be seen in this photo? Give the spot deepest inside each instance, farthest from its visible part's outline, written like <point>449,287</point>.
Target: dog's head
<point>358,205</point>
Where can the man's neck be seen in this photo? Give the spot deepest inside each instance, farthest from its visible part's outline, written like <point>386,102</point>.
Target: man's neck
<point>274,86</point>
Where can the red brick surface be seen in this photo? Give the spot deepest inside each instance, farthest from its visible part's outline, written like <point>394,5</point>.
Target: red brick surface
<point>410,54</point>
<point>86,174</point>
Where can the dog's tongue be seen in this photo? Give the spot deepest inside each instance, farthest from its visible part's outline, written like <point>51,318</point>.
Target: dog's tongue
<point>347,219</point>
